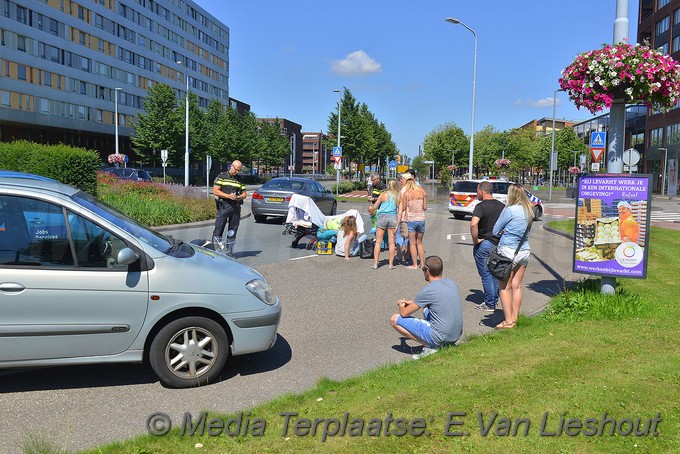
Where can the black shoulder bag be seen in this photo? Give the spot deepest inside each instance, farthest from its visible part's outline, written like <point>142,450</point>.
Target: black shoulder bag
<point>501,266</point>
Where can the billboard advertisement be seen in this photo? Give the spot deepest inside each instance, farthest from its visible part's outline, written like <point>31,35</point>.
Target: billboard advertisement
<point>611,232</point>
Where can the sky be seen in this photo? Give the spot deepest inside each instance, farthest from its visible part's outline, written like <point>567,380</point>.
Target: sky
<point>411,68</point>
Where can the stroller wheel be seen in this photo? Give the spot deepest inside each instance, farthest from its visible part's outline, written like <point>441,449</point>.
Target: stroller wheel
<point>294,244</point>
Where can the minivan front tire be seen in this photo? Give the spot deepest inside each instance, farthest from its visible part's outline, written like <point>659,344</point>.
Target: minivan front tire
<point>189,352</point>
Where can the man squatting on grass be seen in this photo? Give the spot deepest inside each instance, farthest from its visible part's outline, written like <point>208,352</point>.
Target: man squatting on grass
<point>442,309</point>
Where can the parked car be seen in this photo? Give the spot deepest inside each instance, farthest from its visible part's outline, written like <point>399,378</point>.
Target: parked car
<point>81,283</point>
<point>128,173</point>
<point>273,197</point>
<point>463,197</point>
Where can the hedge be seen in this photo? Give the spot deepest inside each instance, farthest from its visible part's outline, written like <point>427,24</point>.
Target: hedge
<point>71,165</point>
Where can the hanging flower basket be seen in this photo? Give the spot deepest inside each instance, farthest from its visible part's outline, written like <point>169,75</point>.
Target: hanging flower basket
<point>574,170</point>
<point>502,163</point>
<point>116,158</point>
<point>452,168</point>
<point>634,73</point>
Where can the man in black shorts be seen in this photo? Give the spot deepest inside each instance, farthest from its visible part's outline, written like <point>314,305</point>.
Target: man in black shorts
<point>229,193</point>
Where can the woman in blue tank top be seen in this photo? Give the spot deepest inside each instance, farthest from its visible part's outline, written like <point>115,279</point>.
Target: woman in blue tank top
<point>386,209</point>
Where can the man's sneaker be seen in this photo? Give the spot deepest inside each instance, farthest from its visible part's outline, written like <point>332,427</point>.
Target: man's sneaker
<point>484,307</point>
<point>426,351</point>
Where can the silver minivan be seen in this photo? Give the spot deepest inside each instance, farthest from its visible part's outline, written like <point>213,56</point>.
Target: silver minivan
<point>81,283</point>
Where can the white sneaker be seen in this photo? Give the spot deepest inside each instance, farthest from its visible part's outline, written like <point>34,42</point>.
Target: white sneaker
<point>426,351</point>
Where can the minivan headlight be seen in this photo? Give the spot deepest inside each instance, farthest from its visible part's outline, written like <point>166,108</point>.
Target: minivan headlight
<point>262,291</point>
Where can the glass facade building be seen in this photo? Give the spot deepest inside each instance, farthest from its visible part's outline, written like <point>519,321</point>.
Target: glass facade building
<point>62,63</point>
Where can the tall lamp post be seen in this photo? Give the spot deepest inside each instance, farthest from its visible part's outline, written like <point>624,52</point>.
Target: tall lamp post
<point>186,126</point>
<point>337,170</point>
<point>552,147</point>
<point>474,90</point>
<point>115,94</point>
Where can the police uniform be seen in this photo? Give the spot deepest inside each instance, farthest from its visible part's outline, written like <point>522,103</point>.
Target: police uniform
<point>228,211</point>
<point>376,190</point>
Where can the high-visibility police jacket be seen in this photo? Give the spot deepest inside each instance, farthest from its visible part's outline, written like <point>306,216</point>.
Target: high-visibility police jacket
<point>378,189</point>
<point>229,185</point>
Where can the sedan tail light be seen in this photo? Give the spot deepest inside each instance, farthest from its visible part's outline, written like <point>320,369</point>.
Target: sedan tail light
<point>288,198</point>
<point>257,196</point>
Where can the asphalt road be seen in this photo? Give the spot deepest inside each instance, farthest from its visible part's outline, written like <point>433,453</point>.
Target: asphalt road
<point>334,324</point>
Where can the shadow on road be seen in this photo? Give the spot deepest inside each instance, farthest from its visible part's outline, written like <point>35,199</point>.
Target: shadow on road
<point>99,376</point>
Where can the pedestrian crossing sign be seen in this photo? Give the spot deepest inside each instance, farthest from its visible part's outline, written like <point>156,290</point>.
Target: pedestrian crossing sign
<point>598,140</point>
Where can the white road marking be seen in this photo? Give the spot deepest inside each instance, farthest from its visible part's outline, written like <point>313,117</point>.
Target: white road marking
<point>304,257</point>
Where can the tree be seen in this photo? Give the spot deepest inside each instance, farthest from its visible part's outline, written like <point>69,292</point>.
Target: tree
<point>364,139</point>
<point>273,146</point>
<point>156,127</point>
<point>440,144</point>
<point>422,169</point>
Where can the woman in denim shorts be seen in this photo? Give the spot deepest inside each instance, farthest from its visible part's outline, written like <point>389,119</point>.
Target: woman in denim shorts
<point>386,209</point>
<point>412,209</point>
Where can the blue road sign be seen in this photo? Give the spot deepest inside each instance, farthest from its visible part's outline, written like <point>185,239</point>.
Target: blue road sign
<point>598,140</point>
<point>337,151</point>
<point>393,164</point>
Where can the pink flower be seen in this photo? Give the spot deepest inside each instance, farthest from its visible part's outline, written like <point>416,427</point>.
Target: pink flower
<point>640,74</point>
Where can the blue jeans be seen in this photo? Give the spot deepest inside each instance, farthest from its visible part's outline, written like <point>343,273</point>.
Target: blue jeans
<point>489,283</point>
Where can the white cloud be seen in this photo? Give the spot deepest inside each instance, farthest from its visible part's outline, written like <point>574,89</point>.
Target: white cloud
<point>540,103</point>
<point>356,63</point>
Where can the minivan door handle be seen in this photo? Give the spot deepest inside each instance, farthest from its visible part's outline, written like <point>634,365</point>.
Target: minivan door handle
<point>13,287</point>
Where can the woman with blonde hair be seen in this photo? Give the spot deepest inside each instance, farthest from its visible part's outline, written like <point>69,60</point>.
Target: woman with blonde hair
<point>386,208</point>
<point>412,210</point>
<point>513,222</point>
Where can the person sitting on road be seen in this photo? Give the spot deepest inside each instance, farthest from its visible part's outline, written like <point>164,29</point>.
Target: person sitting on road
<point>442,308</point>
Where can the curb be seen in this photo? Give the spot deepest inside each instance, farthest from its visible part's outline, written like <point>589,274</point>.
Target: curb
<point>207,222</point>
<point>557,232</point>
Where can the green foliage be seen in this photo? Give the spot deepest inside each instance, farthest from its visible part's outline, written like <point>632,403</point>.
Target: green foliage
<point>444,143</point>
<point>364,139</point>
<point>346,186</point>
<point>74,166</point>
<point>153,203</point>
<point>159,126</point>
<point>420,167</point>
<point>585,302</point>
<point>273,147</point>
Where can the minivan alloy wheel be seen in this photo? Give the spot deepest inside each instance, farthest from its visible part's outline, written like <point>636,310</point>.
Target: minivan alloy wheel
<point>188,352</point>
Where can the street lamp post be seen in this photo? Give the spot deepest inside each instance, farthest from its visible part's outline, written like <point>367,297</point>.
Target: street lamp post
<point>337,170</point>
<point>552,147</point>
<point>186,126</point>
<point>313,158</point>
<point>474,89</point>
<point>116,90</point>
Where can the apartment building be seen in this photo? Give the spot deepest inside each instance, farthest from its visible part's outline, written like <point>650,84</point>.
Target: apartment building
<point>315,156</point>
<point>659,24</point>
<point>67,67</point>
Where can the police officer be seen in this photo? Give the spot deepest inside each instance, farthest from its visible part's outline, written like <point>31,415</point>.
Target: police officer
<point>229,193</point>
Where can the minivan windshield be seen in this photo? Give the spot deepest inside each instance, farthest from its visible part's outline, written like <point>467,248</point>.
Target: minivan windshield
<point>139,231</point>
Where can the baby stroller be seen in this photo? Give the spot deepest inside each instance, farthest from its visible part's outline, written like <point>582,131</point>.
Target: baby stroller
<point>306,220</point>
<point>303,220</point>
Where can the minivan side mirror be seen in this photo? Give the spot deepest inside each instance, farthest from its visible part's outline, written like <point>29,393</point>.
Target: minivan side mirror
<point>126,256</point>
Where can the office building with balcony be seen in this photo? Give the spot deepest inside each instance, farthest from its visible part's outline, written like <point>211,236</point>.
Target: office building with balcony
<point>315,156</point>
<point>67,66</point>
